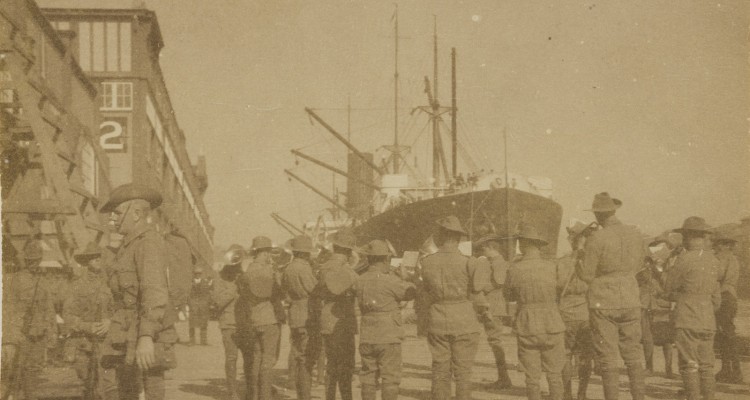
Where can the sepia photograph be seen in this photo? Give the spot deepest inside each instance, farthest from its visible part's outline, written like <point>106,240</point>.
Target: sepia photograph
<point>360,200</point>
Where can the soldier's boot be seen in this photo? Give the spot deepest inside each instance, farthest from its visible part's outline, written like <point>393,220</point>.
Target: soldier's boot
<point>637,381</point>
<point>611,384</point>
<point>691,381</point>
<point>204,336</point>
<point>292,371</point>
<point>192,337</point>
<point>463,390</point>
<point>708,385</point>
<point>667,350</point>
<point>503,379</point>
<point>567,377</point>
<point>736,372</point>
<point>345,385</point>
<point>724,373</point>
<point>330,385</point>
<point>533,392</point>
<point>555,383</point>
<point>304,381</point>
<point>368,392</point>
<point>231,372</point>
<point>584,374</point>
<point>648,354</point>
<point>389,391</point>
<point>441,389</point>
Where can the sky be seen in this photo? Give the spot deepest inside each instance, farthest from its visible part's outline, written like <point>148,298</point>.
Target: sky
<point>645,99</point>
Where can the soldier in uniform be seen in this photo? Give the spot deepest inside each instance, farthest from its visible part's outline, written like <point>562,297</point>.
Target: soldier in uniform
<point>453,283</point>
<point>298,282</point>
<point>575,314</point>
<point>142,334</point>
<point>726,337</point>
<point>28,320</point>
<point>258,320</point>
<point>491,247</point>
<point>338,323</point>
<point>379,293</point>
<point>225,295</point>
<point>693,285</point>
<point>540,328</point>
<point>612,257</point>
<point>87,311</point>
<point>199,303</point>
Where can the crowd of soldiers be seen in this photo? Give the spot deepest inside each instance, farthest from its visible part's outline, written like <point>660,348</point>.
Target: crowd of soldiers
<point>611,295</point>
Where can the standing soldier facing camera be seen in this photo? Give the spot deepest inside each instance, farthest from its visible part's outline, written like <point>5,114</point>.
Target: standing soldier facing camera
<point>693,285</point>
<point>199,303</point>
<point>539,326</point>
<point>379,293</point>
<point>142,334</point>
<point>453,282</point>
<point>338,323</point>
<point>258,319</point>
<point>613,256</point>
<point>87,311</point>
<point>225,295</point>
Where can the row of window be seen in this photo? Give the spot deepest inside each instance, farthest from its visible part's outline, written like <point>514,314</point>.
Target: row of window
<point>170,159</point>
<point>102,46</point>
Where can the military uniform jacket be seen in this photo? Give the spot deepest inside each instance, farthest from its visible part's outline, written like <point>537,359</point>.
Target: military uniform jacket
<point>140,290</point>
<point>88,301</point>
<point>298,282</point>
<point>453,282</point>
<point>225,295</point>
<point>613,255</point>
<point>729,272</point>
<point>200,299</point>
<point>532,283</point>
<point>27,308</point>
<point>494,273</point>
<point>693,284</point>
<point>259,297</point>
<point>378,295</point>
<point>337,311</point>
<point>573,305</point>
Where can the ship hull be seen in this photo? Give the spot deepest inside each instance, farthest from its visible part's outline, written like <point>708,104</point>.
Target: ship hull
<point>499,211</point>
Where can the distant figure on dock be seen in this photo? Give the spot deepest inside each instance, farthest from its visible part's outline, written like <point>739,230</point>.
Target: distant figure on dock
<point>199,303</point>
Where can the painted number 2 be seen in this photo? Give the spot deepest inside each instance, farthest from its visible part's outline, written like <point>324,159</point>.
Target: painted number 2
<point>111,137</point>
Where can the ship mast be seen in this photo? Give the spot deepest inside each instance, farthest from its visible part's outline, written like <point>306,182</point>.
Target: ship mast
<point>397,153</point>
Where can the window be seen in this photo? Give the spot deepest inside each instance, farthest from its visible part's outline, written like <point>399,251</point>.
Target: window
<point>89,169</point>
<point>117,96</point>
<point>103,46</point>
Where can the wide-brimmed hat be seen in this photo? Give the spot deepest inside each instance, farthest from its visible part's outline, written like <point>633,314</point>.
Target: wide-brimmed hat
<point>375,248</point>
<point>576,229</point>
<point>694,224</point>
<point>603,203</point>
<point>91,251</point>
<point>32,249</point>
<point>261,242</point>
<point>344,239</point>
<point>302,244</point>
<point>660,255</point>
<point>234,255</point>
<point>131,191</point>
<point>451,223</point>
<point>529,233</point>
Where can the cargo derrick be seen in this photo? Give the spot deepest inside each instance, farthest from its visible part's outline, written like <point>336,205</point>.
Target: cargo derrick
<point>51,158</point>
